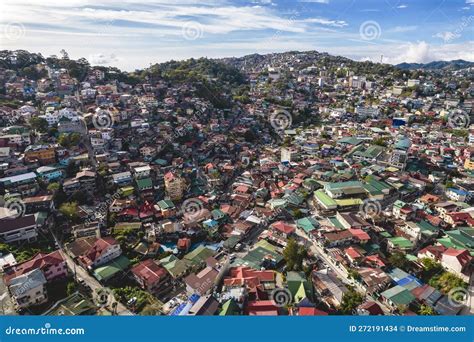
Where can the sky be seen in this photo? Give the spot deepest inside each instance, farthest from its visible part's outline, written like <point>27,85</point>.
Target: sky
<point>132,34</point>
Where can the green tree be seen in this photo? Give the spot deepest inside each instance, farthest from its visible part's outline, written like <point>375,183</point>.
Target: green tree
<point>353,274</point>
<point>294,255</point>
<point>69,209</point>
<point>71,288</point>
<point>350,301</point>
<point>446,282</point>
<point>53,187</point>
<point>39,124</point>
<point>426,310</point>
<point>430,268</point>
<point>398,259</point>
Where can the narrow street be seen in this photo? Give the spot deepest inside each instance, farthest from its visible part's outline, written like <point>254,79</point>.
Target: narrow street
<point>340,272</point>
<point>90,281</point>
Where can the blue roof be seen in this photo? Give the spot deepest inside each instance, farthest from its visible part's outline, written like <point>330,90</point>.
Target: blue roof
<point>194,298</point>
<point>177,311</point>
<point>18,178</point>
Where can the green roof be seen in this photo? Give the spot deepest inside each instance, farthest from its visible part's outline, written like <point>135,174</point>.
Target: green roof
<point>144,183</point>
<point>461,238</point>
<point>175,266</point>
<point>73,305</point>
<point>166,204</point>
<point>323,198</point>
<point>335,222</point>
<point>266,245</point>
<point>198,255</point>
<point>230,308</point>
<point>339,185</point>
<point>350,141</point>
<point>307,224</point>
<point>398,295</point>
<point>110,269</point>
<point>232,241</point>
<point>401,242</point>
<point>217,214</point>
<point>256,257</point>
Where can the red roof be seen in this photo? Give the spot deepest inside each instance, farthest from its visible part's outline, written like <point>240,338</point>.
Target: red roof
<point>304,311</point>
<point>97,249</point>
<point>40,261</point>
<point>248,276</point>
<point>262,308</point>
<point>283,227</point>
<point>150,272</point>
<point>352,253</point>
<point>462,255</point>
<point>359,234</point>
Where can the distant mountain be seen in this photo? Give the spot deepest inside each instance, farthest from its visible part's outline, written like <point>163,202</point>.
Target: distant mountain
<point>437,65</point>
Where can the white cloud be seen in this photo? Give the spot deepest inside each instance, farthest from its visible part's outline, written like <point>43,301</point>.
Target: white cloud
<point>400,29</point>
<point>316,1</point>
<point>402,6</point>
<point>102,59</point>
<point>328,22</point>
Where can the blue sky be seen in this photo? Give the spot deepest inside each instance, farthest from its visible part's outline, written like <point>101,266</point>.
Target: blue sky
<point>134,33</point>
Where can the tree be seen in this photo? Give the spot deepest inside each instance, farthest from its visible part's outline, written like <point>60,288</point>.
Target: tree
<point>71,288</point>
<point>353,274</point>
<point>39,124</point>
<point>430,268</point>
<point>294,255</point>
<point>398,259</point>
<point>53,187</point>
<point>69,209</point>
<point>426,310</point>
<point>446,282</point>
<point>350,301</point>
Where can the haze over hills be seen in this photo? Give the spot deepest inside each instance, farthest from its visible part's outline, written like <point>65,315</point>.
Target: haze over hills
<point>437,65</point>
<point>21,58</point>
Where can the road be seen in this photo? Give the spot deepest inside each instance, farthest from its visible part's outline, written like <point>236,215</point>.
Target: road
<point>340,272</point>
<point>469,305</point>
<point>90,281</point>
<point>107,297</point>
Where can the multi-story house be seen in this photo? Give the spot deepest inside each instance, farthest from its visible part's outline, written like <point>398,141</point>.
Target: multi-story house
<point>28,289</point>
<point>102,251</point>
<point>52,265</point>
<point>45,154</point>
<point>174,186</point>
<point>18,229</point>
<point>152,277</point>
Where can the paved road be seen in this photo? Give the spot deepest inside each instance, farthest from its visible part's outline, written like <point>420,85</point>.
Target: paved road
<point>91,282</point>
<point>107,296</point>
<point>340,272</point>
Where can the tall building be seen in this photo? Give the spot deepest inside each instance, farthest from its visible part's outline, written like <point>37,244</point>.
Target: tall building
<point>174,186</point>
